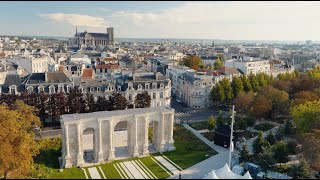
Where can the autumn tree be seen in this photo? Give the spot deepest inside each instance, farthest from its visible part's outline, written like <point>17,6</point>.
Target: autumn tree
<point>243,102</point>
<point>142,100</point>
<point>17,146</point>
<point>306,116</point>
<point>304,96</point>
<point>74,100</point>
<point>118,102</point>
<point>192,62</point>
<point>237,86</point>
<point>311,147</point>
<point>261,107</point>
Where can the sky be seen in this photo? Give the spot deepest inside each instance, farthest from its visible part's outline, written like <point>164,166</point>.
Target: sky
<point>226,20</point>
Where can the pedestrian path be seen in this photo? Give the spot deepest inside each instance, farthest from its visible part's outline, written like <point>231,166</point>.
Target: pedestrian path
<point>168,165</point>
<point>134,169</point>
<point>94,174</point>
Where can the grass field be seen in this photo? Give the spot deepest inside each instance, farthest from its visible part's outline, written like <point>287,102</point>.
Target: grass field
<point>190,150</point>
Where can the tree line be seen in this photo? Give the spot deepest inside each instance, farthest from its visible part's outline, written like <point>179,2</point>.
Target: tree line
<point>54,105</point>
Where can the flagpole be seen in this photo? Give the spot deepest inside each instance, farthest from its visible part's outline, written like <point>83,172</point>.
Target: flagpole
<point>231,135</point>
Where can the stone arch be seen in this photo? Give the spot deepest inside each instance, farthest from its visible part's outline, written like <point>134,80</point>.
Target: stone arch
<point>89,155</point>
<point>153,141</point>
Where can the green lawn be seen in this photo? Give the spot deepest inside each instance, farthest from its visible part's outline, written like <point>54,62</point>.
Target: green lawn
<point>110,171</point>
<point>70,173</point>
<point>199,125</point>
<point>190,150</point>
<point>208,135</point>
<point>154,168</point>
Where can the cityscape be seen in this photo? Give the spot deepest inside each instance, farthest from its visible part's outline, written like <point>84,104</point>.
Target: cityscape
<point>159,90</point>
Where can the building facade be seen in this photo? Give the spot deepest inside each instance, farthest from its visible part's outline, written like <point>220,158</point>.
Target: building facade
<point>94,39</point>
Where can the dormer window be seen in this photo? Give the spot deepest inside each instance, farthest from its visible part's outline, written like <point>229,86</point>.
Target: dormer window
<point>161,85</point>
<point>13,89</point>
<point>161,95</point>
<point>130,97</point>
<point>98,89</point>
<point>51,89</point>
<point>146,86</point>
<point>91,89</point>
<point>30,89</point>
<point>119,88</point>
<point>139,87</point>
<point>154,96</point>
<point>154,85</point>
<point>40,89</point>
<point>60,88</point>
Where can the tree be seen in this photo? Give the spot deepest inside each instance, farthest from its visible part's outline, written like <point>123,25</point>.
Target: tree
<point>281,154</point>
<point>262,79</point>
<point>118,102</point>
<point>227,89</point>
<point>217,93</point>
<point>244,154</point>
<point>237,86</point>
<point>304,96</point>
<point>279,134</point>
<point>243,102</point>
<point>254,82</point>
<point>266,160</point>
<point>74,100</point>
<point>310,143</point>
<point>212,123</point>
<point>306,116</point>
<point>143,100</point>
<point>192,62</point>
<point>246,83</point>
<point>270,138</point>
<point>261,106</point>
<point>17,145</point>
<point>220,118</point>
<point>258,144</point>
<point>102,104</point>
<point>291,147</point>
<point>300,171</point>
<point>218,63</point>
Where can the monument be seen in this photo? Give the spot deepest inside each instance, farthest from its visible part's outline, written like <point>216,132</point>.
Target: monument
<point>102,125</point>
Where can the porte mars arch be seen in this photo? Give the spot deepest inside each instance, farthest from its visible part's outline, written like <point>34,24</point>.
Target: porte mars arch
<point>102,125</point>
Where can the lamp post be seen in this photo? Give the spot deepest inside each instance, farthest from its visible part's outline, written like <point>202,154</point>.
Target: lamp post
<point>231,136</point>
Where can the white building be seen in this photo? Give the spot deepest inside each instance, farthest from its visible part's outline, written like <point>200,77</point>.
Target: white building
<point>173,72</point>
<point>247,67</point>
<point>39,65</point>
<point>80,58</point>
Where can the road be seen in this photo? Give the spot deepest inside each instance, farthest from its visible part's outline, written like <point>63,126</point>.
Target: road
<point>186,114</point>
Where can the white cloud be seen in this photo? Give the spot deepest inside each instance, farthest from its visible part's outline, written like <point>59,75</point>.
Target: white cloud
<point>232,20</point>
<point>76,19</point>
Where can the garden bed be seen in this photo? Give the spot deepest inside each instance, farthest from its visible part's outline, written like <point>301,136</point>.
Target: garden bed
<point>264,126</point>
<point>208,135</point>
<point>199,125</point>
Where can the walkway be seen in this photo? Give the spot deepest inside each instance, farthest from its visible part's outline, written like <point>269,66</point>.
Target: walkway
<point>201,169</point>
<point>168,165</point>
<point>94,174</point>
<point>217,148</point>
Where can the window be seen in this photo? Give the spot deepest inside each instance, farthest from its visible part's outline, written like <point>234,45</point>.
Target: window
<point>51,89</point>
<point>40,89</point>
<point>154,96</point>
<point>30,89</point>
<point>60,88</point>
<point>98,89</point>
<point>147,86</point>
<point>154,85</point>
<point>119,88</point>
<point>139,87</point>
<point>91,89</point>
<point>130,97</point>
<point>161,95</point>
<point>161,85</point>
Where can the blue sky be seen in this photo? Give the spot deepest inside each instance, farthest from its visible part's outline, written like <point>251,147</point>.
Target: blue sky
<point>165,19</point>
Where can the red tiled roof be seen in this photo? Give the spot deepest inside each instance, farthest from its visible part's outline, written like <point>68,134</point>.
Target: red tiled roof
<point>107,66</point>
<point>87,73</point>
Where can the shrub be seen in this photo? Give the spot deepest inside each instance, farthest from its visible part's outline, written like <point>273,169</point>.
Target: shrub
<point>264,126</point>
<point>291,147</point>
<point>250,121</point>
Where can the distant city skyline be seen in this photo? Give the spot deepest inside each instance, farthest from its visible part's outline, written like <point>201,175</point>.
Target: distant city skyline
<point>285,21</point>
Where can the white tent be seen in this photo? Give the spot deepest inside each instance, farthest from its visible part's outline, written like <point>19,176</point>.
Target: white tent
<point>211,175</point>
<point>226,173</point>
<point>246,176</point>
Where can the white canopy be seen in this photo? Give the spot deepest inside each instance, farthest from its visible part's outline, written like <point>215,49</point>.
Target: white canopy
<point>226,173</point>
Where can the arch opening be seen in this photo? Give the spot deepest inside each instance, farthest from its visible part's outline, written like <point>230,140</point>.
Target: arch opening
<point>153,133</point>
<point>88,145</point>
<point>121,140</point>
